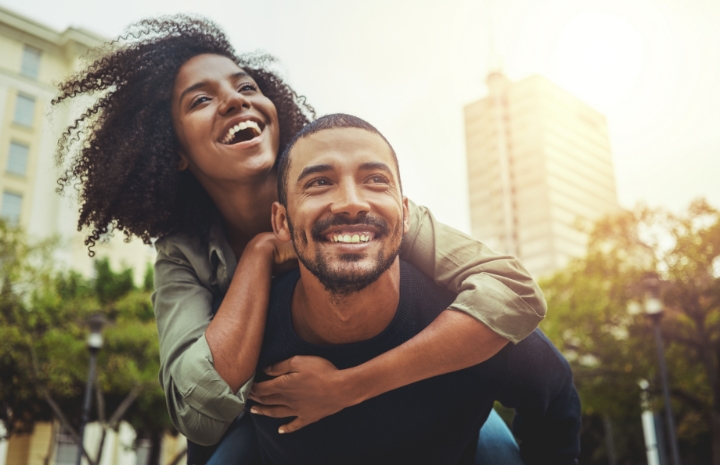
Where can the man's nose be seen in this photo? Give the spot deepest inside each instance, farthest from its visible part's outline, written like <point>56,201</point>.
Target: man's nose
<point>233,101</point>
<point>349,200</point>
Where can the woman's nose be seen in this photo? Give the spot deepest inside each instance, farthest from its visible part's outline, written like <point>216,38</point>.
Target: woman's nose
<point>233,101</point>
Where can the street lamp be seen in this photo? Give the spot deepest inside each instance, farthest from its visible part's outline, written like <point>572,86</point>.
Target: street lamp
<point>648,423</point>
<point>654,309</point>
<point>94,343</point>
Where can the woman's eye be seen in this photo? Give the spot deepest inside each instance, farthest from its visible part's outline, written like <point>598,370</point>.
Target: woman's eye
<point>199,100</point>
<point>247,87</point>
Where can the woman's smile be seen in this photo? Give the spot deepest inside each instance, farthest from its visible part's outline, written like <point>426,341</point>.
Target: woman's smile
<point>246,130</point>
<point>227,128</point>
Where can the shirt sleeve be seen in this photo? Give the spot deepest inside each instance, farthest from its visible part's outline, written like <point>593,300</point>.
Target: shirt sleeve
<point>492,288</point>
<point>201,404</point>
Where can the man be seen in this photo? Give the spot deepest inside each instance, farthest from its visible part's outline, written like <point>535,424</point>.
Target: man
<point>352,299</point>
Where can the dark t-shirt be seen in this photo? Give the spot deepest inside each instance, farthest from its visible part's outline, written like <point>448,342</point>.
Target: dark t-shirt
<point>434,421</point>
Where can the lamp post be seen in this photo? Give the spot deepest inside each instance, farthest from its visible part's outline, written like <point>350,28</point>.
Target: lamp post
<point>648,422</point>
<point>94,343</point>
<point>654,309</point>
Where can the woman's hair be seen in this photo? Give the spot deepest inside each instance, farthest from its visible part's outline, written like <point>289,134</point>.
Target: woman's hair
<point>122,152</point>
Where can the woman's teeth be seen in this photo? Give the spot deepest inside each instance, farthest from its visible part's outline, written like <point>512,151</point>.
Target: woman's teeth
<point>252,125</point>
<point>355,238</point>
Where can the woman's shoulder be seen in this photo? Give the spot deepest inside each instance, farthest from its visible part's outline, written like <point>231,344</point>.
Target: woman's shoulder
<point>183,244</point>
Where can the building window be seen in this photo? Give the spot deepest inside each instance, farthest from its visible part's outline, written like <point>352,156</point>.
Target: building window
<point>10,208</point>
<point>18,158</point>
<point>24,110</point>
<point>30,62</point>
<point>66,449</point>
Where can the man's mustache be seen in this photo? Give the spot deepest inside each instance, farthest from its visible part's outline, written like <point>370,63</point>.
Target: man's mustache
<point>342,220</point>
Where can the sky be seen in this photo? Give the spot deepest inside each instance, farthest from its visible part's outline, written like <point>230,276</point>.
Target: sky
<point>652,67</point>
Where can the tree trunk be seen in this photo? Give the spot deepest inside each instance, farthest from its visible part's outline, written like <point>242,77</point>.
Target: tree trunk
<point>715,418</point>
<point>609,440</point>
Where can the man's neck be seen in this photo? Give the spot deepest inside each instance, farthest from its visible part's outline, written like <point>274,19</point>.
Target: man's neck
<point>321,317</point>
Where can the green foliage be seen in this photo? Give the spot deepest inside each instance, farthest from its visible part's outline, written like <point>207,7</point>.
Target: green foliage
<point>596,320</point>
<point>43,316</point>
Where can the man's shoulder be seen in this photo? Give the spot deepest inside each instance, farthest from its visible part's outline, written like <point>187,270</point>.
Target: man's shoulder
<point>285,283</point>
<point>421,290</point>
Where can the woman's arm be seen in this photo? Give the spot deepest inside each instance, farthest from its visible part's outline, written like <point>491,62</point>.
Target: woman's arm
<point>207,362</point>
<point>497,300</point>
<point>492,288</point>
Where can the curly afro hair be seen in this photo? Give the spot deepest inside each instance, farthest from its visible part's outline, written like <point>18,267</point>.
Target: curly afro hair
<point>122,153</point>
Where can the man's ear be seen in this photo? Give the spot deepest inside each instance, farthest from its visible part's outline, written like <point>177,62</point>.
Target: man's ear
<point>280,222</point>
<point>183,162</point>
<point>406,215</point>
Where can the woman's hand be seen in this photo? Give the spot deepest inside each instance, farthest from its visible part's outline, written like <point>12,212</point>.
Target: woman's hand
<point>283,253</point>
<point>309,388</point>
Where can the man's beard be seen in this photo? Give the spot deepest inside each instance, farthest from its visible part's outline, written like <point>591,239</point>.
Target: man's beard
<point>335,281</point>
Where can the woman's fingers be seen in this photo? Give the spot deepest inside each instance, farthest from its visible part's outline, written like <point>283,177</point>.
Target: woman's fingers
<point>309,388</point>
<point>272,411</point>
<point>272,399</point>
<point>293,426</point>
<point>280,368</point>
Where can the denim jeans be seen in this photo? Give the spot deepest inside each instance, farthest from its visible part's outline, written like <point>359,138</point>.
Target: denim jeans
<point>496,445</point>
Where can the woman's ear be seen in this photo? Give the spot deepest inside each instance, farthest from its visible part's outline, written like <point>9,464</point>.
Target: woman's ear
<point>182,162</point>
<point>280,222</point>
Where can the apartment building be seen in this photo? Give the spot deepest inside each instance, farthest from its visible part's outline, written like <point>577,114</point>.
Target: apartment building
<point>539,167</point>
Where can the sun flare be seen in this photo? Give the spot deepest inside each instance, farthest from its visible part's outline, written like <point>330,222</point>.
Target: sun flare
<point>599,57</point>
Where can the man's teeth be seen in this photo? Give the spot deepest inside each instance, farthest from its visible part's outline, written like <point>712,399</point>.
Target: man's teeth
<point>355,238</point>
<point>249,124</point>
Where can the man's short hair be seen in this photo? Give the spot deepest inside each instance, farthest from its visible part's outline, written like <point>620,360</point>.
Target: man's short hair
<point>333,121</point>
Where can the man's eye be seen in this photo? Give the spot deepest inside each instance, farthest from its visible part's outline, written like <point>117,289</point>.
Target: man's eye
<point>199,100</point>
<point>378,179</point>
<point>320,182</point>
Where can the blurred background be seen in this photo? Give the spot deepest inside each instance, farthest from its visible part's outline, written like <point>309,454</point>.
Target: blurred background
<point>580,136</point>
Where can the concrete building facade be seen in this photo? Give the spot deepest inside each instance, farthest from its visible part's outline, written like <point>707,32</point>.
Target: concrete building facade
<point>539,167</point>
<point>34,59</point>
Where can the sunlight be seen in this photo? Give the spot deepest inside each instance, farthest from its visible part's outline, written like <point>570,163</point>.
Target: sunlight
<point>599,57</point>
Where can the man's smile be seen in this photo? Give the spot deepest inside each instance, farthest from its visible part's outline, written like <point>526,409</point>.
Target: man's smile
<point>351,238</point>
<point>358,232</point>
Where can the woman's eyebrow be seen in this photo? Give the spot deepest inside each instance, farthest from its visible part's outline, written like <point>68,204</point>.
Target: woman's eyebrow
<point>239,74</point>
<point>193,87</point>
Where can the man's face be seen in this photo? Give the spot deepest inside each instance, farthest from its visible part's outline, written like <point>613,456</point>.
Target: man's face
<point>345,213</point>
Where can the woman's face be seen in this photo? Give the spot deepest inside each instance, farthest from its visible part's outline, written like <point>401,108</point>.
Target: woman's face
<point>228,130</point>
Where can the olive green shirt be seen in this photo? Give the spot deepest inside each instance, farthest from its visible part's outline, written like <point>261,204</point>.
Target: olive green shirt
<point>192,275</point>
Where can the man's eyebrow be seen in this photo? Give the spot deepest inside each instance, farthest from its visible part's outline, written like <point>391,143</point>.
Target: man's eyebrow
<point>376,165</point>
<point>312,169</point>
<point>201,84</point>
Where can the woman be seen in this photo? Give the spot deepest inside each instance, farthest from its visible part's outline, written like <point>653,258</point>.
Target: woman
<point>181,145</point>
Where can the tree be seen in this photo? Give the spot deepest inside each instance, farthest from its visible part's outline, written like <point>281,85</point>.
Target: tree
<point>609,341</point>
<point>42,325</point>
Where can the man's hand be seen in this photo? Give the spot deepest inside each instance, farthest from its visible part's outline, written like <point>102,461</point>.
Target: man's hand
<point>309,388</point>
